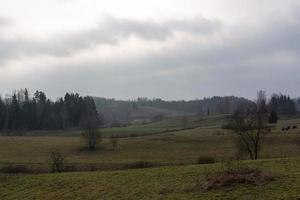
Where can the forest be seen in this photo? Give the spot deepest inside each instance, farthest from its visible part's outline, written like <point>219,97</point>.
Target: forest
<point>20,111</point>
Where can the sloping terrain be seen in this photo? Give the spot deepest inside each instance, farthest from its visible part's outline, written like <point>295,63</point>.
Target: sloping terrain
<point>143,108</point>
<point>156,183</point>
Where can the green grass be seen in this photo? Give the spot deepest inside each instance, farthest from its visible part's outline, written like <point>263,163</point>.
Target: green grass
<point>156,183</point>
<point>140,129</point>
<point>168,148</point>
<point>168,125</point>
<point>287,122</point>
<point>181,147</point>
<point>165,126</point>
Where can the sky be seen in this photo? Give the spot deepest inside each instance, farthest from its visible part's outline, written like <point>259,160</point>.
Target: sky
<point>170,49</point>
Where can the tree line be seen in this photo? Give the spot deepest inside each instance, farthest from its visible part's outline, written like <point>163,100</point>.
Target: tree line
<point>21,111</point>
<point>126,110</point>
<point>283,105</point>
<point>252,123</point>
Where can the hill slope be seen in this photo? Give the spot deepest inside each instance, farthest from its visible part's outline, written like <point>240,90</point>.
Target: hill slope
<point>143,108</point>
<point>156,183</point>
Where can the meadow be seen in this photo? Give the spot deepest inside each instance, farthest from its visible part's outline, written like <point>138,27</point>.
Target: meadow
<point>174,162</point>
<point>207,139</point>
<point>157,183</point>
<point>147,128</point>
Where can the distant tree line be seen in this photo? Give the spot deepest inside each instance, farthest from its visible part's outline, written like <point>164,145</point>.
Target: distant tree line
<point>20,111</point>
<point>126,110</point>
<point>283,105</point>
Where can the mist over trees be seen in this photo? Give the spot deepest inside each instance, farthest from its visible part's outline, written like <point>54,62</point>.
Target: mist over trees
<point>20,111</point>
<point>145,108</point>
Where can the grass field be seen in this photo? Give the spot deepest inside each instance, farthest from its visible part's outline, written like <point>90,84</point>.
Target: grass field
<point>168,125</point>
<point>141,129</point>
<point>167,151</point>
<point>156,183</point>
<point>180,147</point>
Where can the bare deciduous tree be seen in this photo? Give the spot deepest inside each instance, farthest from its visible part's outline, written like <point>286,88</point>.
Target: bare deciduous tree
<point>250,125</point>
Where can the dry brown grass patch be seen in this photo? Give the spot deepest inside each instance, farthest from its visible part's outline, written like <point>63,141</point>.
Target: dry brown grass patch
<point>229,178</point>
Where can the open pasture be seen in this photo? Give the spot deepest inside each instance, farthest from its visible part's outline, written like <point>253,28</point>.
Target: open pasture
<point>178,147</point>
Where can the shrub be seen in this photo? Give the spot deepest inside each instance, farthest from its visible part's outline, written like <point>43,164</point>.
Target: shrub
<point>205,160</point>
<point>92,137</point>
<point>218,132</point>
<point>273,118</point>
<point>57,161</point>
<point>114,142</point>
<point>140,164</point>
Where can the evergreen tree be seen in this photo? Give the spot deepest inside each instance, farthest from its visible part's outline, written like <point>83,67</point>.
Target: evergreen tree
<point>273,118</point>
<point>40,113</point>
<point>283,105</point>
<point>3,112</point>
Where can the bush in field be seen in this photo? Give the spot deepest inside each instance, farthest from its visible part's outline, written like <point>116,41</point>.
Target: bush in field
<point>57,161</point>
<point>184,122</point>
<point>114,142</point>
<point>205,160</point>
<point>273,118</point>
<point>92,137</point>
<point>140,164</point>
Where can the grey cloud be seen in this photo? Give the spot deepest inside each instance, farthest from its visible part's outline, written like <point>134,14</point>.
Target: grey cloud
<point>111,32</point>
<point>243,63</point>
<point>196,25</point>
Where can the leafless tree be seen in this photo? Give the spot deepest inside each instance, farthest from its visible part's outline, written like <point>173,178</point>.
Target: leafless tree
<point>250,125</point>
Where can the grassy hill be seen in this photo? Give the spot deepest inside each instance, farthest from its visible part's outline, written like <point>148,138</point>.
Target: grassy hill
<point>142,129</point>
<point>173,153</point>
<point>168,148</point>
<point>168,125</point>
<point>156,183</point>
<point>143,108</point>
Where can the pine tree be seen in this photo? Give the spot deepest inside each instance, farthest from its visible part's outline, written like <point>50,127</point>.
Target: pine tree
<point>273,118</point>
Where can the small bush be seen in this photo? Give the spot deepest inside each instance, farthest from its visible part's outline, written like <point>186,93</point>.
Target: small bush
<point>205,160</point>
<point>57,161</point>
<point>218,133</point>
<point>140,164</point>
<point>114,142</point>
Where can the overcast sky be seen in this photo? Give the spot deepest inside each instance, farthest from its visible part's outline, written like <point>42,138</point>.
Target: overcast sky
<point>172,49</point>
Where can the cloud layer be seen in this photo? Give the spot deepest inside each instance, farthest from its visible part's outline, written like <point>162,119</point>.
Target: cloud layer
<point>174,59</point>
<point>109,32</point>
